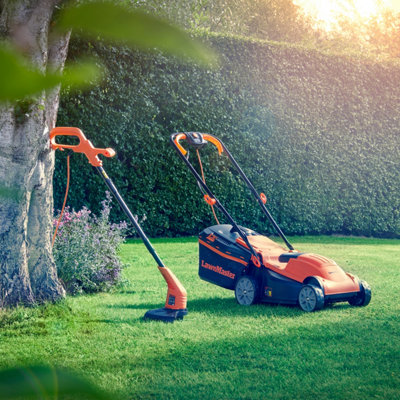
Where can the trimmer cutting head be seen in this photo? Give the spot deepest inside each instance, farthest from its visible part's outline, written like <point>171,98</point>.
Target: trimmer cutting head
<point>175,304</point>
<point>165,314</point>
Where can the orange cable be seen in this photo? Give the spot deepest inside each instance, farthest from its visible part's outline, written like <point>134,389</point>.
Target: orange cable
<point>204,180</point>
<point>63,207</point>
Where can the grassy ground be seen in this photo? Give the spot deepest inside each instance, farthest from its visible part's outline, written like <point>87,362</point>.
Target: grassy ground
<point>222,350</point>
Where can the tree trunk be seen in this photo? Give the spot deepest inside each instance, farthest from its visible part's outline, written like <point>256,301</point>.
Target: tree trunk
<point>27,271</point>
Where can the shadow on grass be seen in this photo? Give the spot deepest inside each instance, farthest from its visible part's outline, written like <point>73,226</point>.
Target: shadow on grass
<point>217,307</point>
<point>222,307</point>
<point>352,356</point>
<point>320,360</point>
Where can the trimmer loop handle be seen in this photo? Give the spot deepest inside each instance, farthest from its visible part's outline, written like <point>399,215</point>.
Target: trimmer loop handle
<point>194,136</point>
<point>85,146</point>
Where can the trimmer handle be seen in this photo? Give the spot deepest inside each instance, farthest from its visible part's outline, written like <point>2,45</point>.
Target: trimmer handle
<point>85,146</point>
<point>194,138</point>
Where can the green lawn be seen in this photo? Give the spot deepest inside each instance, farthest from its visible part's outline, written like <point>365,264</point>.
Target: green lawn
<point>221,350</point>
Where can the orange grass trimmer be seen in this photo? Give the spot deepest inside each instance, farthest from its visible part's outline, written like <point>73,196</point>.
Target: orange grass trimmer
<point>175,305</point>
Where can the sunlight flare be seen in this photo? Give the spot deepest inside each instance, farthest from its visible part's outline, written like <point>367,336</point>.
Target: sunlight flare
<point>329,15</point>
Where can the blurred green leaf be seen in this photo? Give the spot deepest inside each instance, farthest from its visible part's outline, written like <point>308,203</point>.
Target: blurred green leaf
<point>18,79</point>
<point>110,21</point>
<point>43,382</point>
<point>132,27</point>
<point>82,73</point>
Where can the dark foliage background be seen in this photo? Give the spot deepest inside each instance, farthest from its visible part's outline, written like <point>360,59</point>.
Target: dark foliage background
<point>318,133</point>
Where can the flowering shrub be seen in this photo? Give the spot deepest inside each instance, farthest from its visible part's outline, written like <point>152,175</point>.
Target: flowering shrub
<point>86,249</point>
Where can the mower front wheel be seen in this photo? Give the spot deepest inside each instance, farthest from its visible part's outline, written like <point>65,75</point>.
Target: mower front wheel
<point>246,291</point>
<point>311,298</point>
<point>363,297</point>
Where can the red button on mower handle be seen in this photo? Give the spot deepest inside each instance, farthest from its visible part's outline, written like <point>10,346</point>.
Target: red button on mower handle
<point>209,200</point>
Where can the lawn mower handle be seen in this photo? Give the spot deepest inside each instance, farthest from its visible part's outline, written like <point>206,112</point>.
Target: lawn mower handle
<point>209,197</point>
<point>177,137</point>
<point>261,198</point>
<point>85,146</point>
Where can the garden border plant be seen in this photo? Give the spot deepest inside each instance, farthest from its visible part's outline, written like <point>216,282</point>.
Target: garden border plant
<point>86,249</point>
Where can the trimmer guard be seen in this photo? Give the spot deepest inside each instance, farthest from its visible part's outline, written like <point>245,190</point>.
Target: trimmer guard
<point>165,314</point>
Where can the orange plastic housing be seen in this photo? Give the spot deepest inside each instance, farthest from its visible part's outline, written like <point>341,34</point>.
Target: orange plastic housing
<point>263,198</point>
<point>209,200</point>
<point>333,278</point>
<point>179,137</point>
<point>85,146</point>
<point>176,295</point>
<point>212,139</point>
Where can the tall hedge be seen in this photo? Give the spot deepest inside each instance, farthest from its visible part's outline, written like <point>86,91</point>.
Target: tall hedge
<point>319,134</point>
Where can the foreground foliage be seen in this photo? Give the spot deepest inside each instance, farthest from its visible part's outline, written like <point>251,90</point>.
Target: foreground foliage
<point>221,350</point>
<point>45,383</point>
<point>109,20</point>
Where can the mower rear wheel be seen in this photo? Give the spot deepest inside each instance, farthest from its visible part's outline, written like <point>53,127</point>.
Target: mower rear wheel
<point>363,297</point>
<point>246,291</point>
<point>311,298</point>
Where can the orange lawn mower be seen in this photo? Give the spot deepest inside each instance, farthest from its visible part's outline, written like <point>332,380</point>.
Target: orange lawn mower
<point>175,305</point>
<point>254,266</point>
